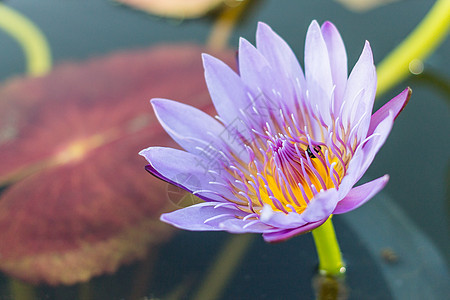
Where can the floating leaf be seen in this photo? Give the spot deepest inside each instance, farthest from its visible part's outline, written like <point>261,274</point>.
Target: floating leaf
<point>78,202</point>
<point>175,8</point>
<point>364,5</point>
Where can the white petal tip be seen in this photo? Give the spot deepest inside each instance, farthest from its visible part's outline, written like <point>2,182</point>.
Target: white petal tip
<point>266,213</point>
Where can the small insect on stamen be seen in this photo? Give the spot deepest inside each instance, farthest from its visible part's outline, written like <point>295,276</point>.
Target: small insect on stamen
<point>310,153</point>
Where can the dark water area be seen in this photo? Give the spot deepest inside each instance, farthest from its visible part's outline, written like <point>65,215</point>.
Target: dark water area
<point>267,271</point>
<point>395,248</point>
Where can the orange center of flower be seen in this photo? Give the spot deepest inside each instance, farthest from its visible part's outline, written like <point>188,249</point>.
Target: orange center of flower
<point>287,170</point>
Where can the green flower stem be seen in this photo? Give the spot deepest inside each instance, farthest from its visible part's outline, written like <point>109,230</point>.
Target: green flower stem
<point>417,46</point>
<point>30,38</point>
<point>330,258</point>
<point>225,23</point>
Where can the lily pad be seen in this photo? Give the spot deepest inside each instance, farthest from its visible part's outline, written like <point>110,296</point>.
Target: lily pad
<point>175,8</point>
<point>77,201</point>
<point>364,5</point>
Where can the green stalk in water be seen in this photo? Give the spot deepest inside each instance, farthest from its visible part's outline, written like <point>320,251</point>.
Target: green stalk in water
<point>330,258</point>
<point>29,37</point>
<point>416,47</point>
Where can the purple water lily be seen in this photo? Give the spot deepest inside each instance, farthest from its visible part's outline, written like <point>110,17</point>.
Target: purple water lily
<point>286,148</point>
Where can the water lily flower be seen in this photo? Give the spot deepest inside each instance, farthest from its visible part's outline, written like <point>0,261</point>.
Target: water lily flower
<point>286,148</point>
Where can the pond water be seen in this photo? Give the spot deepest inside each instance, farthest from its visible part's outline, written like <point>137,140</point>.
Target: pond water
<point>396,246</point>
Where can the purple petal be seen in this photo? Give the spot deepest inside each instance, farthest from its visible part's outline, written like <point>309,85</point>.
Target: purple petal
<point>245,226</point>
<point>226,88</point>
<point>277,51</point>
<point>360,92</point>
<point>395,105</point>
<point>193,129</point>
<point>209,216</point>
<point>282,59</point>
<point>185,170</point>
<point>373,145</point>
<point>317,67</point>
<point>268,90</point>
<point>365,153</point>
<point>338,61</point>
<point>352,175</point>
<point>252,64</point>
<point>362,77</point>
<point>285,234</point>
<point>360,195</point>
<point>321,206</point>
<point>188,126</point>
<point>280,219</point>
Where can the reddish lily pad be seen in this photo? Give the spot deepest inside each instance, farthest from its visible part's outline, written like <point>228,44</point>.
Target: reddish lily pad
<point>78,201</point>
